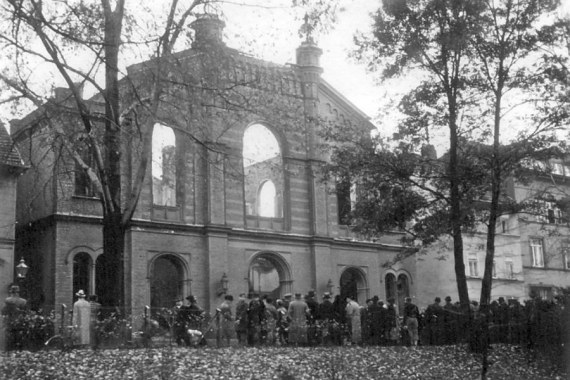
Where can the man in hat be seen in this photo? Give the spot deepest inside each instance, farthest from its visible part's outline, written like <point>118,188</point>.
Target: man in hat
<point>82,319</point>
<point>195,313</point>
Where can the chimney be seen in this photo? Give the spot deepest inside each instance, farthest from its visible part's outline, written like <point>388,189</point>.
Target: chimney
<point>208,31</point>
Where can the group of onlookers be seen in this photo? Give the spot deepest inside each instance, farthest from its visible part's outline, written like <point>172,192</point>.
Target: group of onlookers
<point>303,320</point>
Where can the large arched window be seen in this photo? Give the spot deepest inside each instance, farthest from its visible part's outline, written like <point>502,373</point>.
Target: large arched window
<point>82,268</point>
<point>269,275</point>
<point>163,166</point>
<point>263,172</point>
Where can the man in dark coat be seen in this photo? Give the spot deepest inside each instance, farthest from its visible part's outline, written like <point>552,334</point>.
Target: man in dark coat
<point>255,319</point>
<point>434,322</point>
<point>241,319</point>
<point>326,317</point>
<point>375,319</point>
<point>450,321</point>
<point>312,317</point>
<point>195,314</point>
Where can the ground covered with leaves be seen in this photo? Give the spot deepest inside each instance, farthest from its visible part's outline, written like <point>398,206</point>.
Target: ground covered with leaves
<point>285,363</point>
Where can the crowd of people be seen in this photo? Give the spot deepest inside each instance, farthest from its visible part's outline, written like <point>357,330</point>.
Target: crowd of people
<point>304,320</point>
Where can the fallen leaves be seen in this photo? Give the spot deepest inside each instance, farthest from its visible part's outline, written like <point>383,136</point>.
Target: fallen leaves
<point>285,363</point>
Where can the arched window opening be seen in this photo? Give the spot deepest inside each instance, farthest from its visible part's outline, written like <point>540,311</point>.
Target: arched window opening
<point>269,276</point>
<point>163,166</point>
<point>82,265</point>
<point>268,200</point>
<point>346,199</point>
<point>263,172</point>
<point>166,282</point>
<point>390,284</point>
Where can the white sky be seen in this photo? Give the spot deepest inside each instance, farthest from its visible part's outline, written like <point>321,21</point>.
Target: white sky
<point>270,32</point>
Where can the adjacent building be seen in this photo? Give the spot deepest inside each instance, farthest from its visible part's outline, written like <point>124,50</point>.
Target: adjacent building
<point>11,167</point>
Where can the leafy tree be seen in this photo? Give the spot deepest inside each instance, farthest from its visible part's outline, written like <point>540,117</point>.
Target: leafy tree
<point>468,55</point>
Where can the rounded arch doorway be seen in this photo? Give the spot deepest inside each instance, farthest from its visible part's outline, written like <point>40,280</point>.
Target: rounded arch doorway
<point>353,284</point>
<point>166,281</point>
<point>269,275</point>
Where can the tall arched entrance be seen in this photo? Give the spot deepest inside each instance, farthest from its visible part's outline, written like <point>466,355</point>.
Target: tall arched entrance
<point>353,284</point>
<point>269,275</point>
<point>166,281</point>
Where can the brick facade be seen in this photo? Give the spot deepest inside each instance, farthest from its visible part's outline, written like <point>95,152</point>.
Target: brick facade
<point>208,233</point>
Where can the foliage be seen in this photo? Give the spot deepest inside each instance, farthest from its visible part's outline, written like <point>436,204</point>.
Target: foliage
<point>28,330</point>
<point>112,329</point>
<point>434,362</point>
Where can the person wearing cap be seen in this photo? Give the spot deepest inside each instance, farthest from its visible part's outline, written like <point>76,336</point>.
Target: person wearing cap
<point>298,312</point>
<point>82,319</point>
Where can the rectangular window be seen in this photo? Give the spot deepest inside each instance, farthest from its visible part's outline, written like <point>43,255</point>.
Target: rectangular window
<point>509,269</point>
<point>537,253</point>
<point>566,255</point>
<point>544,293</point>
<point>473,267</point>
<point>344,201</point>
<point>549,212</point>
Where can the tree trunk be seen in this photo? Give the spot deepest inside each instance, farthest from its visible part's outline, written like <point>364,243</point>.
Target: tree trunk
<point>456,221</point>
